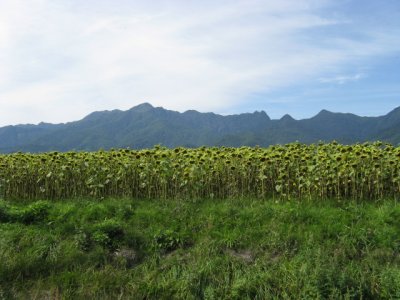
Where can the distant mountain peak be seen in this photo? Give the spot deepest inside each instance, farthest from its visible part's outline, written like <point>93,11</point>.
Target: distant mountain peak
<point>144,107</point>
<point>191,111</point>
<point>325,112</point>
<point>287,118</point>
<point>262,113</point>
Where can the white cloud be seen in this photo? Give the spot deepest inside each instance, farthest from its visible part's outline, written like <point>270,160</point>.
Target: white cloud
<point>64,59</point>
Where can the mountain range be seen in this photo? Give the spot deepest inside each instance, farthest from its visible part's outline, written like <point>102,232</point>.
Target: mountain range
<point>144,126</point>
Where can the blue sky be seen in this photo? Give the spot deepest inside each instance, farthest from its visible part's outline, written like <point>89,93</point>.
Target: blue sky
<point>62,59</point>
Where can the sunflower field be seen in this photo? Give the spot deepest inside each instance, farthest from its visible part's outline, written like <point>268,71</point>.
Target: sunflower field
<point>292,171</point>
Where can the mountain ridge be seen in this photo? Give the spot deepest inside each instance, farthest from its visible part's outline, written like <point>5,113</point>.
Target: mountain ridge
<point>144,126</point>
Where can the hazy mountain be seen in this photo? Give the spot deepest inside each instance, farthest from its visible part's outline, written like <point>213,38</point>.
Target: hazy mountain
<point>145,126</point>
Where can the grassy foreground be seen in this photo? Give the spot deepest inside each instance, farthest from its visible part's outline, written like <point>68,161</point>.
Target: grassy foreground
<point>209,249</point>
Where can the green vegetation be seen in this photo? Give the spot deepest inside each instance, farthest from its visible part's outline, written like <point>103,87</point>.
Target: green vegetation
<point>209,249</point>
<point>293,171</point>
<point>285,222</point>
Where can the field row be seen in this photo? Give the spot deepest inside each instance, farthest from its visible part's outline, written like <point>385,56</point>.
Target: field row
<point>293,171</point>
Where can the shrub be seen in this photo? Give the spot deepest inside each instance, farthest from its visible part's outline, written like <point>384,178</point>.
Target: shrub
<point>34,213</point>
<point>168,240</point>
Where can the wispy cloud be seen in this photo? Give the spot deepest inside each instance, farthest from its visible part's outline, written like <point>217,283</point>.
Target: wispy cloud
<point>342,79</point>
<point>64,59</point>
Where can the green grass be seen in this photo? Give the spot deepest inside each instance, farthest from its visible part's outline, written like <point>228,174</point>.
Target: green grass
<point>205,249</point>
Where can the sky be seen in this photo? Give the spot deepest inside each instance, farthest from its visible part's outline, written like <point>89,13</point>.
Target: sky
<point>62,59</point>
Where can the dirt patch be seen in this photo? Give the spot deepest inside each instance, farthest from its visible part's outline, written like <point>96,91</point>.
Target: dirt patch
<point>130,256</point>
<point>243,255</point>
